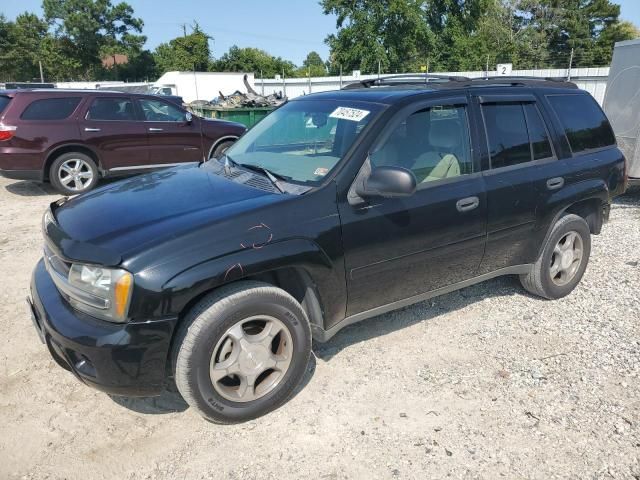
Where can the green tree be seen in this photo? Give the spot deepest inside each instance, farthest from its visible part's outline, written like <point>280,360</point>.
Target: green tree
<point>189,52</point>
<point>88,29</point>
<point>392,34</point>
<point>313,66</point>
<point>253,60</point>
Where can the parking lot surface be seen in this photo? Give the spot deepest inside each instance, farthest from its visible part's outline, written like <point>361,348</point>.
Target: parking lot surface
<point>488,382</point>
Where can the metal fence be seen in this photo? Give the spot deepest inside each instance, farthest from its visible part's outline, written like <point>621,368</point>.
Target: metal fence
<point>593,80</point>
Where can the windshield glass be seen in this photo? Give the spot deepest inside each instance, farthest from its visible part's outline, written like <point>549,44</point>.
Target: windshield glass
<point>303,140</point>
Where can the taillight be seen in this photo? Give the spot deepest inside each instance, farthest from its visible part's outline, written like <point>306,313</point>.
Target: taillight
<point>6,132</point>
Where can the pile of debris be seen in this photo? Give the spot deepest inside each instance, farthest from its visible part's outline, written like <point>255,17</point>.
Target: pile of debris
<point>243,100</point>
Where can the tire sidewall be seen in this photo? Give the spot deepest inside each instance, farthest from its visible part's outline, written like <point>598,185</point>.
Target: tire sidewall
<point>566,225</point>
<point>55,166</point>
<point>213,324</point>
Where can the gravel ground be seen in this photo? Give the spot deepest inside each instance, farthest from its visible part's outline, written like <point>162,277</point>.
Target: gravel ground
<point>487,382</point>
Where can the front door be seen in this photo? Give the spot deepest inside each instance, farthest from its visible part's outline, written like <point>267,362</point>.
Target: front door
<point>170,137</point>
<point>402,247</point>
<point>110,126</point>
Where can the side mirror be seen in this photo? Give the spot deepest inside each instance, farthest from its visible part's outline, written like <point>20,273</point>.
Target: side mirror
<point>188,117</point>
<point>388,182</point>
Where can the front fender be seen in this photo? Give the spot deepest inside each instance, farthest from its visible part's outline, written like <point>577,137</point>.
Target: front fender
<point>297,253</point>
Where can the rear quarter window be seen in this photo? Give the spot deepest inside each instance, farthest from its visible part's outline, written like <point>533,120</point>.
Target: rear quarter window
<point>4,101</point>
<point>50,108</point>
<point>585,125</point>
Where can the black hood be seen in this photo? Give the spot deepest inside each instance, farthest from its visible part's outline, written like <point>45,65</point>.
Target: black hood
<point>127,215</point>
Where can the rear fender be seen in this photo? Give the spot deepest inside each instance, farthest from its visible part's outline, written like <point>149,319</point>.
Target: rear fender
<point>562,200</point>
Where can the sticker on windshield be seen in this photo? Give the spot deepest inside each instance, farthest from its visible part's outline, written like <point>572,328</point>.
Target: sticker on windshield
<point>321,172</point>
<point>352,114</point>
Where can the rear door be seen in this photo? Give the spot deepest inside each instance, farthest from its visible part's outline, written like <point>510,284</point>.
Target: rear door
<point>171,138</point>
<point>520,172</point>
<point>112,128</point>
<point>396,248</point>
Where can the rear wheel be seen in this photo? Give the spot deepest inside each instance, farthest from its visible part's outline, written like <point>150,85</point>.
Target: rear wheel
<point>241,352</point>
<point>73,173</point>
<point>563,260</point>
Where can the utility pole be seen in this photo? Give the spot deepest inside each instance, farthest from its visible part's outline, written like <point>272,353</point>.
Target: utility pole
<point>262,82</point>
<point>570,63</point>
<point>309,75</point>
<point>379,68</point>
<point>341,77</point>
<point>284,84</point>
<point>487,70</point>
<point>41,74</point>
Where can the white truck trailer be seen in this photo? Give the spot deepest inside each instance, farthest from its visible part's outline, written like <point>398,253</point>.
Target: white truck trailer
<point>205,86</point>
<point>622,103</point>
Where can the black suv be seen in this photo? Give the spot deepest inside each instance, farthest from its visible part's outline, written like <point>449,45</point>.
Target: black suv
<point>337,207</point>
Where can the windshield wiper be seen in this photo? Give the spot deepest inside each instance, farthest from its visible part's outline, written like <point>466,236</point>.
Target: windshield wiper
<point>275,178</point>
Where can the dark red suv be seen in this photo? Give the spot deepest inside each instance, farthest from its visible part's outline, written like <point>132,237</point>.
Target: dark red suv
<point>71,138</point>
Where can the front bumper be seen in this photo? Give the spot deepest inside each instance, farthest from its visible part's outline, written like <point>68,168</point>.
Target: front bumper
<point>120,359</point>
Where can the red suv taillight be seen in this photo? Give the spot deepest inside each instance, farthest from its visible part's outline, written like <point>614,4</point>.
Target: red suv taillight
<point>6,132</point>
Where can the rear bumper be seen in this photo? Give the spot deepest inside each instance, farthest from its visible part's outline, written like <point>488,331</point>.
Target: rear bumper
<point>121,359</point>
<point>33,175</point>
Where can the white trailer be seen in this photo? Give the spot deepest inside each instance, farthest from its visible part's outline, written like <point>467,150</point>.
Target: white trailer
<point>622,102</point>
<point>205,86</point>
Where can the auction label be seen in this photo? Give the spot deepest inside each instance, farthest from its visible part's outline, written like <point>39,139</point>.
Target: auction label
<point>352,114</point>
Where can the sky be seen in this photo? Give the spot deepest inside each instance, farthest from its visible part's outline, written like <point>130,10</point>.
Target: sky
<point>285,28</point>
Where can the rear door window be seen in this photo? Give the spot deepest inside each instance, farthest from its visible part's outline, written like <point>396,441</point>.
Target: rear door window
<point>507,135</point>
<point>57,108</point>
<point>111,109</point>
<point>540,144</point>
<point>4,101</point>
<point>585,125</point>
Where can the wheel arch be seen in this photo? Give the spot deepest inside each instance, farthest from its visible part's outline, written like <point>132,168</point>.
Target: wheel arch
<point>298,266</point>
<point>67,148</point>
<point>590,208</point>
<point>220,141</point>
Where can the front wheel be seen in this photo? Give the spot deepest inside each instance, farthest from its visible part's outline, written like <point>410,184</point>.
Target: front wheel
<point>241,352</point>
<point>220,149</point>
<point>563,260</point>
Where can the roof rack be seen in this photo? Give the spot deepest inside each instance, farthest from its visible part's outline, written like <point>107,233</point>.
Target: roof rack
<point>458,81</point>
<point>522,80</point>
<point>404,79</point>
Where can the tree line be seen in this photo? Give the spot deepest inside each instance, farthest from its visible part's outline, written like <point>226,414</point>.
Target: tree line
<point>76,39</point>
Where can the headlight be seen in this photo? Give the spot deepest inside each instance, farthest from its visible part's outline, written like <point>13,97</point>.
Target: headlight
<point>108,289</point>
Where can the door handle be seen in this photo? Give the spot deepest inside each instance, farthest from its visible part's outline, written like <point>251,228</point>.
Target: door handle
<point>87,129</point>
<point>555,183</point>
<point>467,204</point>
<point>155,129</point>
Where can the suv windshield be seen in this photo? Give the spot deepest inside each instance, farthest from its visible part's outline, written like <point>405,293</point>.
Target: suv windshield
<point>303,140</point>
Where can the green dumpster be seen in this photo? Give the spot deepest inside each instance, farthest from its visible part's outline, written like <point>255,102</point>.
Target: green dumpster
<point>248,116</point>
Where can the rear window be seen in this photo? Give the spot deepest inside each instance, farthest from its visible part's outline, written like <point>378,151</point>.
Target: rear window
<point>507,134</point>
<point>4,101</point>
<point>50,108</point>
<point>585,125</point>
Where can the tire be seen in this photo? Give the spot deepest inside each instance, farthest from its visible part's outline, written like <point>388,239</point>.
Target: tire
<point>220,149</point>
<point>545,278</point>
<point>203,343</point>
<point>80,179</point>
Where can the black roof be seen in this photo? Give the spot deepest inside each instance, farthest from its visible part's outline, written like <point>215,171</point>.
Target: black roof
<point>389,89</point>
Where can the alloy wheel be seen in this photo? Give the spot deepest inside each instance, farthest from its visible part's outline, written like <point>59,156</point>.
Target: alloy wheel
<point>75,174</point>
<point>566,258</point>
<point>251,358</point>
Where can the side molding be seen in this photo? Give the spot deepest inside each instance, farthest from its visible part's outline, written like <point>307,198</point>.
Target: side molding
<point>325,335</point>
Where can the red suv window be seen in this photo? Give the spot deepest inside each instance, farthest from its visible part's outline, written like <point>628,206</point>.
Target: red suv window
<point>50,108</point>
